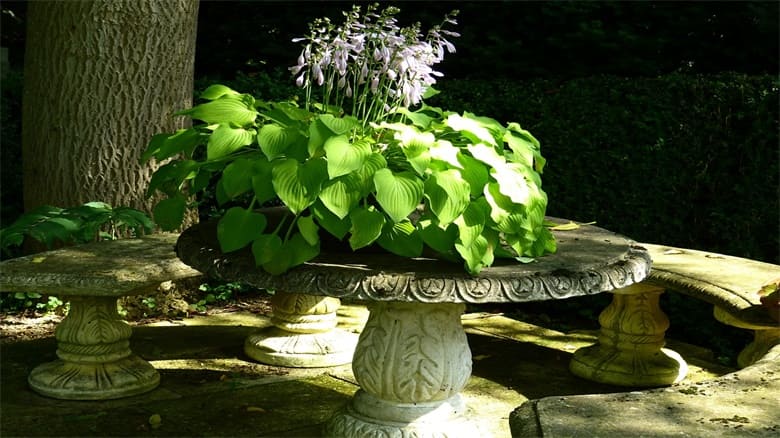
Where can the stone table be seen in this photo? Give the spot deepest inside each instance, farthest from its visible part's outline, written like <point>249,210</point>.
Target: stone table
<point>95,360</point>
<point>412,358</point>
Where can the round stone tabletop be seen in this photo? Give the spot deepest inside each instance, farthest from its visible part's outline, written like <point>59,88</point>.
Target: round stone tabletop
<point>589,260</point>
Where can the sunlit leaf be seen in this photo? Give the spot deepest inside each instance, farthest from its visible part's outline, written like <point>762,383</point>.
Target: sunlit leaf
<point>338,125</point>
<point>341,195</point>
<point>332,223</point>
<point>345,157</point>
<point>274,140</point>
<point>226,140</point>
<point>236,109</point>
<point>216,91</point>
<point>398,194</point>
<point>298,185</point>
<point>448,195</point>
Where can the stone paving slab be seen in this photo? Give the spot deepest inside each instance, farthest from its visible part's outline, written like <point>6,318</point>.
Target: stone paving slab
<point>209,388</point>
<point>740,404</point>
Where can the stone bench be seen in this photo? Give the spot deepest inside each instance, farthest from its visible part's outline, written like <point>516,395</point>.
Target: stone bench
<point>630,345</point>
<point>95,360</point>
<point>739,404</point>
<point>630,352</point>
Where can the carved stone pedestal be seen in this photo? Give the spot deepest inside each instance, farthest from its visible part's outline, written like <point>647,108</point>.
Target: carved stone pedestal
<point>630,349</point>
<point>304,334</point>
<point>95,361</point>
<point>411,361</point>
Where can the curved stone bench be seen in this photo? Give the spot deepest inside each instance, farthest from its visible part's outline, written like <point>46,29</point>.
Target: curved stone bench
<point>729,283</point>
<point>95,361</point>
<point>629,352</point>
<point>630,345</point>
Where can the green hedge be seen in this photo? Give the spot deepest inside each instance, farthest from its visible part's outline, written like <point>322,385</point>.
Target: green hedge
<point>688,161</point>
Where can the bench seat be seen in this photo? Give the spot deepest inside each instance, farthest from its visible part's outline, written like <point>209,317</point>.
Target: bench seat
<point>95,361</point>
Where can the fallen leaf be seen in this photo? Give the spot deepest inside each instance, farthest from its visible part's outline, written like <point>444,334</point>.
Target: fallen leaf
<point>570,226</point>
<point>481,356</point>
<point>38,259</point>
<point>256,409</point>
<point>672,251</point>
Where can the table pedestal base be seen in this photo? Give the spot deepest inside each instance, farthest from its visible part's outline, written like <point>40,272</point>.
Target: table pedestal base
<point>95,358</point>
<point>629,351</point>
<point>369,416</point>
<point>303,334</point>
<point>411,362</point>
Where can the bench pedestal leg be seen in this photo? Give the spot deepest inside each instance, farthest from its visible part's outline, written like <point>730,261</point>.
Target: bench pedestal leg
<point>765,335</point>
<point>630,349</point>
<point>304,334</point>
<point>95,361</point>
<point>411,361</point>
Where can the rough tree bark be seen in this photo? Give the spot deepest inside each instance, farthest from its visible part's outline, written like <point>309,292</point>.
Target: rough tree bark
<point>101,78</point>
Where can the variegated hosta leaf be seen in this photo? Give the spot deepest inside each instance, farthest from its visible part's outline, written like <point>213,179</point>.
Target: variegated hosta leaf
<point>398,194</point>
<point>345,157</point>
<point>448,195</point>
<point>298,185</point>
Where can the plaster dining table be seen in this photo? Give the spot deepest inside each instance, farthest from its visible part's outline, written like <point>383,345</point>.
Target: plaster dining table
<point>412,358</point>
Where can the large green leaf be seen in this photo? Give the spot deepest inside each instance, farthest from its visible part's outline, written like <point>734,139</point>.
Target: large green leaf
<point>293,252</point>
<point>441,240</point>
<point>226,140</point>
<point>318,133</point>
<point>474,172</point>
<point>366,173</point>
<point>230,108</point>
<point>500,205</point>
<point>401,238</point>
<point>238,227</point>
<point>163,146</point>
<point>444,151</point>
<point>472,221</point>
<point>262,180</point>
<point>345,157</point>
<point>367,226</point>
<point>338,125</point>
<point>511,182</point>
<point>486,154</point>
<point>265,248</point>
<point>169,213</point>
<point>332,223</point>
<point>298,185</point>
<point>471,129</point>
<point>341,195</point>
<point>448,195</point>
<point>398,194</point>
<point>309,230</point>
<point>216,91</point>
<point>237,177</point>
<point>274,139</point>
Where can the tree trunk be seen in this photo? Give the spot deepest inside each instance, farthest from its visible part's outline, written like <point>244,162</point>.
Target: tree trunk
<point>101,78</point>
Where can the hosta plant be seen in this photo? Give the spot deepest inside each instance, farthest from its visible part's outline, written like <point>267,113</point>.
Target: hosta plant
<point>362,158</point>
